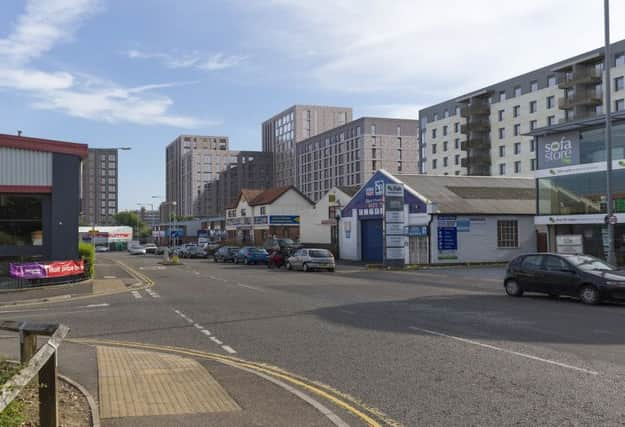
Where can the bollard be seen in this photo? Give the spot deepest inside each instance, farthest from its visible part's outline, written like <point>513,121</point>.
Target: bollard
<point>48,408</point>
<point>28,346</point>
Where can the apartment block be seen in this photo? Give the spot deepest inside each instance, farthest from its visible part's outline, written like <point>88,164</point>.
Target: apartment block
<point>483,132</point>
<point>99,187</point>
<point>282,132</point>
<point>249,170</point>
<point>193,161</point>
<point>349,154</point>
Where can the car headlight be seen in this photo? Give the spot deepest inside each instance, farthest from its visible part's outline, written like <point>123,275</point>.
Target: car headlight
<point>615,283</point>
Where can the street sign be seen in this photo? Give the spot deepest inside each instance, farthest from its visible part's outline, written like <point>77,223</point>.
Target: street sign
<point>610,219</point>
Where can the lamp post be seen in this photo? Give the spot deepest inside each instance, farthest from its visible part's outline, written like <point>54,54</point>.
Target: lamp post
<point>607,62</point>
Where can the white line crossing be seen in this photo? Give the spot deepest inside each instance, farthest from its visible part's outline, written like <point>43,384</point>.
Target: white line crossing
<point>205,331</point>
<point>216,341</point>
<point>152,293</point>
<point>228,349</point>
<point>136,294</point>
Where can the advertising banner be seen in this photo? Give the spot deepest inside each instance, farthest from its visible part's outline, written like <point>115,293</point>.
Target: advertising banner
<point>41,270</point>
<point>558,150</point>
<point>284,219</point>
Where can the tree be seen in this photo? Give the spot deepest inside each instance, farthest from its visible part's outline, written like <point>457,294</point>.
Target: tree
<point>131,219</point>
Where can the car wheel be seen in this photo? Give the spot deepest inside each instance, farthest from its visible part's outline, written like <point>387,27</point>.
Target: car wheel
<point>331,270</point>
<point>289,266</point>
<point>246,262</point>
<point>554,296</point>
<point>513,288</point>
<point>306,268</point>
<point>216,260</point>
<point>589,295</point>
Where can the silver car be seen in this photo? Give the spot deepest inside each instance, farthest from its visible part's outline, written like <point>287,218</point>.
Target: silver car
<point>311,259</point>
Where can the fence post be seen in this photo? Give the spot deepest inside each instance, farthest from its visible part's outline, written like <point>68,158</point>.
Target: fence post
<point>28,346</point>
<point>48,413</point>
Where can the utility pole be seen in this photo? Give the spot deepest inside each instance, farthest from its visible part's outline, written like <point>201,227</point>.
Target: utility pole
<point>607,63</point>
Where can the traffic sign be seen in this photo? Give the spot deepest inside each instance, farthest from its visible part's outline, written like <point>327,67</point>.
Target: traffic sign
<point>610,219</point>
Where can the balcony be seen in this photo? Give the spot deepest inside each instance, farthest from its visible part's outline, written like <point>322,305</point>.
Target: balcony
<point>475,125</point>
<point>580,77</point>
<point>481,143</point>
<point>589,98</point>
<point>480,108</point>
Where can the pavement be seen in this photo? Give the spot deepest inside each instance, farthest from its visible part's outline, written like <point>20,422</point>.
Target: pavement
<point>429,347</point>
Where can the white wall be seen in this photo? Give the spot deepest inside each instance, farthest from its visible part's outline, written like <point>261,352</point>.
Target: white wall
<point>480,243</point>
<point>290,203</point>
<point>349,248</point>
<point>311,228</point>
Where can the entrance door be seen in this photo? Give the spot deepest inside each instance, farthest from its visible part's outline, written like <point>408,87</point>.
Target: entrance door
<point>372,246</point>
<point>418,247</point>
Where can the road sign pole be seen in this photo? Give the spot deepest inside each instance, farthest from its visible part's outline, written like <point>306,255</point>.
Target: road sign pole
<point>607,62</point>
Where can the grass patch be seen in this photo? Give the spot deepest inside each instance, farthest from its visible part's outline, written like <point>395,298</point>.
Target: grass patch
<point>13,415</point>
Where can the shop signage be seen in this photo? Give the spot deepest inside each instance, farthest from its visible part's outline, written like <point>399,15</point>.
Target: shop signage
<point>394,241</point>
<point>478,220</point>
<point>447,239</point>
<point>416,230</point>
<point>394,228</point>
<point>284,219</point>
<point>573,219</point>
<point>261,220</point>
<point>41,270</point>
<point>394,216</point>
<point>394,223</point>
<point>394,190</point>
<point>397,254</point>
<point>463,225</point>
<point>570,244</point>
<point>558,150</point>
<point>619,205</point>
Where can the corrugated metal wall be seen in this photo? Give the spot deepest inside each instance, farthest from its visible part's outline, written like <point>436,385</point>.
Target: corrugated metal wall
<point>25,167</point>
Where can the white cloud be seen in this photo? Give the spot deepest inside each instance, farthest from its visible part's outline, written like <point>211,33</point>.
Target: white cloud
<point>428,49</point>
<point>215,62</point>
<point>43,25</point>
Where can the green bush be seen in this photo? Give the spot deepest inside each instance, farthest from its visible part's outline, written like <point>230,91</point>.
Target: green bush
<point>87,252</point>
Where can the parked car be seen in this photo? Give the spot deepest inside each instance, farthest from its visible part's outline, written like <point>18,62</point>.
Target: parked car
<point>101,248</point>
<point>226,254</point>
<point>590,279</point>
<point>182,250</point>
<point>251,255</point>
<point>194,252</point>
<point>311,259</point>
<point>136,250</point>
<point>285,246</point>
<point>150,248</point>
<point>276,259</point>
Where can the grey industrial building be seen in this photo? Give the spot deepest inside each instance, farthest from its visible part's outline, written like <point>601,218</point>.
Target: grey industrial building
<point>349,154</point>
<point>485,132</point>
<point>100,187</point>
<point>282,132</point>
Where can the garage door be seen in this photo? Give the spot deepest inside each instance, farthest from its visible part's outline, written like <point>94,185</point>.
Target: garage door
<point>372,246</point>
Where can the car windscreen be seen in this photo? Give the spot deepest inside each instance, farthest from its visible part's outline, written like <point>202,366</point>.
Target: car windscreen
<point>319,253</point>
<point>589,263</point>
<point>286,242</point>
<point>258,251</point>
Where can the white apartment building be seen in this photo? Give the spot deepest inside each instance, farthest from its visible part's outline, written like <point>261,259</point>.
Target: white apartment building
<point>482,133</point>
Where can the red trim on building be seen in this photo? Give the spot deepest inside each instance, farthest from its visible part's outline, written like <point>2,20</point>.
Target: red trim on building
<point>32,189</point>
<point>48,145</point>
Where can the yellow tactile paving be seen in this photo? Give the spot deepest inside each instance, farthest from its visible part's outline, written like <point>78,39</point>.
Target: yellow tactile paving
<point>108,285</point>
<point>140,383</point>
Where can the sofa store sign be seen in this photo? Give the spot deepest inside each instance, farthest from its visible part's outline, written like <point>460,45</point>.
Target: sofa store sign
<point>558,150</point>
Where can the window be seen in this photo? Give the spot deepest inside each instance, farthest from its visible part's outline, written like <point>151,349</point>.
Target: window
<point>533,164</point>
<point>619,59</point>
<point>433,148</point>
<point>517,129</point>
<point>457,173</point>
<point>551,81</point>
<point>551,102</point>
<point>502,96</point>
<point>554,263</point>
<point>373,153</point>
<point>445,130</point>
<point>502,169</point>
<point>434,164</point>
<point>619,83</point>
<point>372,129</point>
<point>456,143</point>
<point>619,105</point>
<point>445,162</point>
<point>551,120</point>
<point>516,110</point>
<point>500,115</point>
<point>263,210</point>
<point>533,86</point>
<point>517,148</point>
<point>533,124</point>
<point>433,133</point>
<point>398,130</point>
<point>446,113</point>
<point>435,116</point>
<point>508,234</point>
<point>457,159</point>
<point>517,91</point>
<point>517,166</point>
<point>532,107</point>
<point>502,133</point>
<point>532,262</point>
<point>445,146</point>
<point>456,127</point>
<point>502,151</point>
<point>20,220</point>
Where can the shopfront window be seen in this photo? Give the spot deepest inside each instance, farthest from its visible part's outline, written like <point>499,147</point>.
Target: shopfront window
<point>592,144</point>
<point>579,194</point>
<point>20,220</point>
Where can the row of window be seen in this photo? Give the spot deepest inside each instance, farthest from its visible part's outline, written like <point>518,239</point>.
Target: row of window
<point>517,148</point>
<point>446,161</point>
<point>446,146</point>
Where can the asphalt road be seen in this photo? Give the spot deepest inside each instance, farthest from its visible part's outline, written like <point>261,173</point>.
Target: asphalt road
<point>435,347</point>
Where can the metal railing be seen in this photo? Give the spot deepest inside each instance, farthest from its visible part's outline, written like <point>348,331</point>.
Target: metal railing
<point>40,363</point>
<point>589,97</point>
<point>583,76</point>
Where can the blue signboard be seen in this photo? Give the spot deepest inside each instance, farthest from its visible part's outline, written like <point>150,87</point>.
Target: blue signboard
<point>260,220</point>
<point>463,224</point>
<point>417,230</point>
<point>284,219</point>
<point>447,239</point>
<point>177,233</point>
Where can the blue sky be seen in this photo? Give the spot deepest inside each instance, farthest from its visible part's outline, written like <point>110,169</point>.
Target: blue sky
<point>138,73</point>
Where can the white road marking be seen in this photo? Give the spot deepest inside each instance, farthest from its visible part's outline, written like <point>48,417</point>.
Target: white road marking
<point>110,277</point>
<point>216,341</point>
<point>205,332</point>
<point>136,294</point>
<point>152,293</point>
<point>212,277</point>
<point>504,350</point>
<point>97,305</point>
<point>198,326</point>
<point>228,349</point>
<point>250,287</point>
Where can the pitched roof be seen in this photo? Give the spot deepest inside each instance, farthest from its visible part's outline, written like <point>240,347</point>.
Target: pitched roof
<point>47,145</point>
<point>248,193</point>
<point>350,191</point>
<point>475,194</point>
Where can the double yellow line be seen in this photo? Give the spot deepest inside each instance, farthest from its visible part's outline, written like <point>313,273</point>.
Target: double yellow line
<point>370,416</point>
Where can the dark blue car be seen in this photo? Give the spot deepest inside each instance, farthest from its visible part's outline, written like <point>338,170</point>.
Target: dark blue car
<point>251,255</point>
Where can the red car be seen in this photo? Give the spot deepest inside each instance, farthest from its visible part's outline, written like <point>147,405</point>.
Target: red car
<point>276,259</point>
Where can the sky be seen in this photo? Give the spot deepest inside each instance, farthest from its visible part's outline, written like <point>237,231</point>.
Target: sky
<point>112,73</point>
